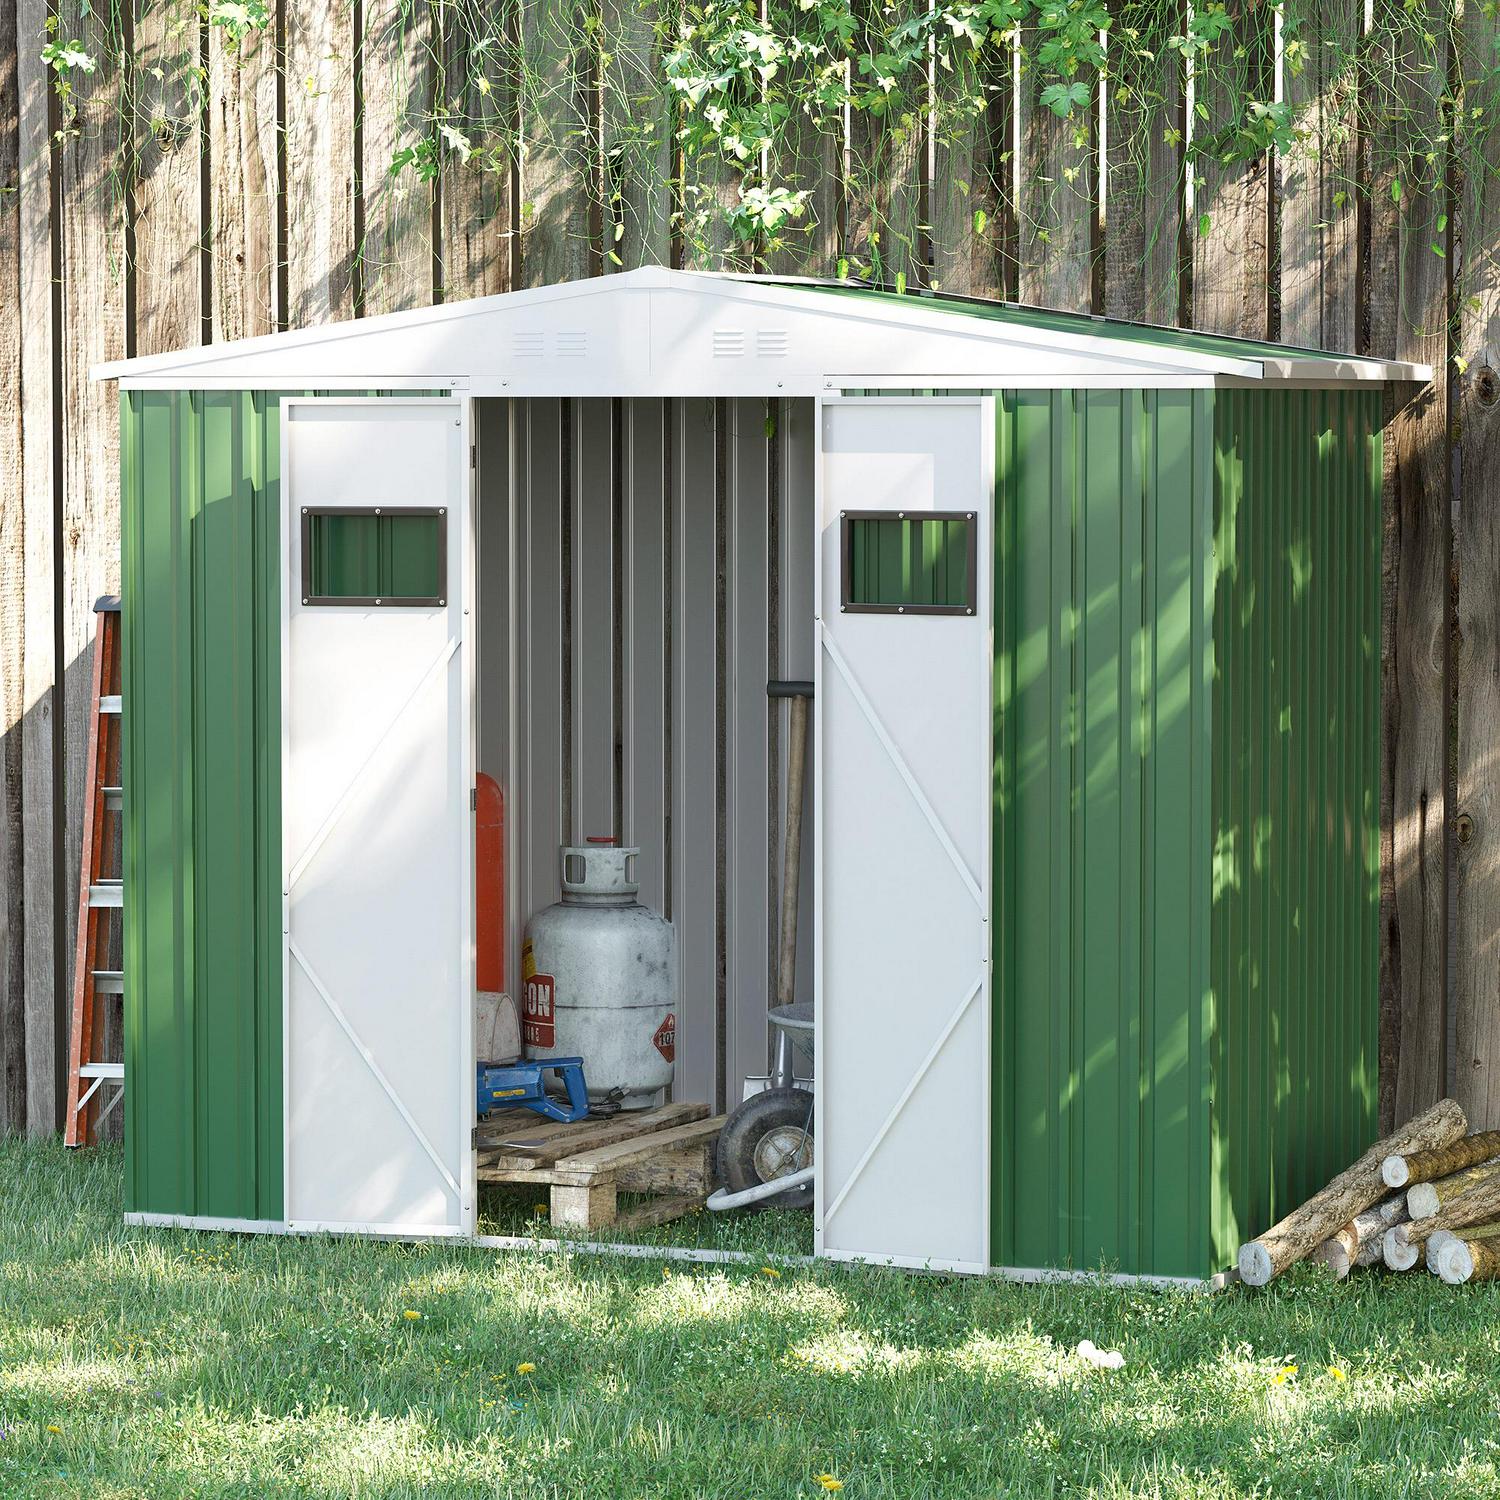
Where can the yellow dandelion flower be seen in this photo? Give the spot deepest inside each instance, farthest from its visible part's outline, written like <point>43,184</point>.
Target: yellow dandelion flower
<point>1337,1373</point>
<point>538,1209</point>
<point>770,1271</point>
<point>829,1483</point>
<point>411,1315</point>
<point>54,1429</point>
<point>525,1368</point>
<point>1285,1373</point>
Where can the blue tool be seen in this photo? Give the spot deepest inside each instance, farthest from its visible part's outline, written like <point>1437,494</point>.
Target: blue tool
<point>502,1086</point>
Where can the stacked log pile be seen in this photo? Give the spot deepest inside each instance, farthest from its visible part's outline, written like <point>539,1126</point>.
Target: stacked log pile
<point>1429,1193</point>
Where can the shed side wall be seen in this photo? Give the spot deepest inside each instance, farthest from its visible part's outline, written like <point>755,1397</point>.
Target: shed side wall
<point>1102,814</point>
<point>1296,797</point>
<point>200,569</point>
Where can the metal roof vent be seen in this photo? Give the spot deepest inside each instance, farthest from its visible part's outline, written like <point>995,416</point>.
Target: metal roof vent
<point>771,343</point>
<point>729,343</point>
<point>571,345</point>
<point>528,345</point>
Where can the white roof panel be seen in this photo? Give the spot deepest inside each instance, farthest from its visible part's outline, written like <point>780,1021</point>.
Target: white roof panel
<point>655,332</point>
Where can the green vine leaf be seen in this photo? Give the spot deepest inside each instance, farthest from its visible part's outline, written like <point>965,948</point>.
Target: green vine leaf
<point>239,17</point>
<point>65,57</point>
<point>1063,98</point>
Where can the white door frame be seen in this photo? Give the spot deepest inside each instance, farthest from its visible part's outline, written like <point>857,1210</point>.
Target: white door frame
<point>462,515</point>
<point>984,668</point>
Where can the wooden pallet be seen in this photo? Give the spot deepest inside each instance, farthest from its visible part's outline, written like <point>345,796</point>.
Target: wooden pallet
<point>665,1154</point>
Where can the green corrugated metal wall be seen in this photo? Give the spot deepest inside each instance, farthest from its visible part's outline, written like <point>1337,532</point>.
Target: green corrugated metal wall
<point>1186,816</point>
<point>1296,779</point>
<point>1102,700</point>
<point>200,560</point>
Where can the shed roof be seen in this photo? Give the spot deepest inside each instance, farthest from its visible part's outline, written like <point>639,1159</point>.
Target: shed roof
<point>673,333</point>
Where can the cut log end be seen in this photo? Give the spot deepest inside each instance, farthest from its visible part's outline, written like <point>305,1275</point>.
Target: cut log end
<point>1399,1256</point>
<point>1422,1200</point>
<point>1255,1264</point>
<point>1453,1261</point>
<point>1344,1198</point>
<point>1336,1257</point>
<point>1435,1243</point>
<point>1394,1172</point>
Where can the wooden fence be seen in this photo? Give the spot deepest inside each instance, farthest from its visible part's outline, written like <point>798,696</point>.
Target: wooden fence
<point>191,188</point>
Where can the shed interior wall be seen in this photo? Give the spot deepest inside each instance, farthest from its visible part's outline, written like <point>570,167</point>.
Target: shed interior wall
<point>657,558</point>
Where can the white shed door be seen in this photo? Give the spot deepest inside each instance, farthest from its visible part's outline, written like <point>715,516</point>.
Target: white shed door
<point>376,824</point>
<point>904,748</point>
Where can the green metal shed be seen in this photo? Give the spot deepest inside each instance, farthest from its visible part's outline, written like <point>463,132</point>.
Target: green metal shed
<point>1093,611</point>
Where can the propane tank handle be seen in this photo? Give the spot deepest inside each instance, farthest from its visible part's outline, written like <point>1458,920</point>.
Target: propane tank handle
<point>595,872</point>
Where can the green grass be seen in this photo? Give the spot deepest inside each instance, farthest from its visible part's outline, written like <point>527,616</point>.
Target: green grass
<point>522,1211</point>
<point>174,1364</point>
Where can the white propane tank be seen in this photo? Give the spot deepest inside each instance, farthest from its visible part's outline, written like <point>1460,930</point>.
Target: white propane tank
<point>599,973</point>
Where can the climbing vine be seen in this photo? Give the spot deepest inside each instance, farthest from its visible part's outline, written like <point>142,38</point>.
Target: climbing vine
<point>796,133</point>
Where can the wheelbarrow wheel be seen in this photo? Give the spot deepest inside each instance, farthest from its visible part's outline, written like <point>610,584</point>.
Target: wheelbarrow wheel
<point>769,1136</point>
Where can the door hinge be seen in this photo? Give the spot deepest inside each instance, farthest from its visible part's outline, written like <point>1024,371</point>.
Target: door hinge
<point>473,455</point>
<point>474,1139</point>
<point>473,799</point>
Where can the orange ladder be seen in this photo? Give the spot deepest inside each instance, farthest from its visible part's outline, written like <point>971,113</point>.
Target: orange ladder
<point>100,894</point>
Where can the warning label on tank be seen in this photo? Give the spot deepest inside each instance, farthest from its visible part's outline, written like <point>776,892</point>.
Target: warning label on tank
<point>539,1006</point>
<point>665,1040</point>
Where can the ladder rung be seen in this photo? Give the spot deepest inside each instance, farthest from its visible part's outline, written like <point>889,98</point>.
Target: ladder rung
<point>107,893</point>
<point>109,703</point>
<point>109,982</point>
<point>102,1070</point>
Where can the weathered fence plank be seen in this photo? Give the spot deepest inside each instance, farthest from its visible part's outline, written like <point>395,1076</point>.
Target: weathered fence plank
<point>1476,992</point>
<point>41,390</point>
<point>166,151</point>
<point>1231,202</point>
<point>637,139</point>
<point>886,235</point>
<point>558,171</point>
<point>810,159</point>
<point>887,238</point>
<point>476,96</point>
<point>396,75</point>
<point>12,600</point>
<point>93,198</point>
<point>1055,193</point>
<point>1408,307</point>
<point>1143,159</point>
<point>321,242</point>
<point>969,202</point>
<point>244,182</point>
<point>1319,191</point>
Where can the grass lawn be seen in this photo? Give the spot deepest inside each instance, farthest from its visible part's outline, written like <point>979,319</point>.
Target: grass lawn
<point>159,1364</point>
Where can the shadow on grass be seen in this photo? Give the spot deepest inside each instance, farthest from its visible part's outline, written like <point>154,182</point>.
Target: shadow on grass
<point>187,1364</point>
